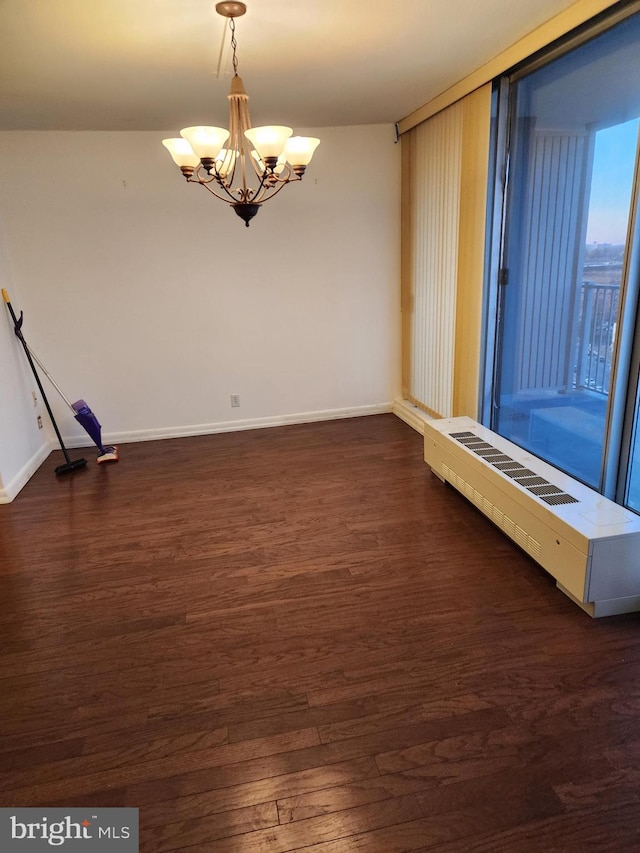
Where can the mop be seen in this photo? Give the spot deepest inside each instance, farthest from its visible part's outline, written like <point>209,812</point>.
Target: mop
<point>81,411</point>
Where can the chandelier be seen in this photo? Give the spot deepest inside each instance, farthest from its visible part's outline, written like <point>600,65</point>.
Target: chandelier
<point>243,166</point>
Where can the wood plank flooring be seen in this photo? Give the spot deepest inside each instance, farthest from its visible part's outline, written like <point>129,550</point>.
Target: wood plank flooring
<point>299,639</point>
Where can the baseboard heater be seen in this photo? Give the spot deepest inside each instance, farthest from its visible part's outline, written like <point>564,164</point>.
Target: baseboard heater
<point>590,545</point>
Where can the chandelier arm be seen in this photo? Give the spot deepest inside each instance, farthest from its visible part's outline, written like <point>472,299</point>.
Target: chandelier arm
<point>243,122</point>
<point>238,122</point>
<point>232,143</point>
<point>228,198</point>
<point>227,188</point>
<point>218,181</point>
<point>197,179</point>
<point>266,196</point>
<point>225,184</point>
<point>247,195</point>
<point>261,190</point>
<point>289,178</point>
<point>229,178</point>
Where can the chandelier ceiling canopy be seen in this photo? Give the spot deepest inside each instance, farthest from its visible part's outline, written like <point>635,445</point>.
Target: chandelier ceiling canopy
<point>243,166</point>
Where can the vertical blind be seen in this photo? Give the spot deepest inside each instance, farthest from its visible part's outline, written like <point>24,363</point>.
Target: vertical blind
<point>443,254</point>
<point>553,224</point>
<point>435,209</point>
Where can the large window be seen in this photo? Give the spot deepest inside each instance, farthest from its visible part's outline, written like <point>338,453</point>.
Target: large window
<point>564,363</point>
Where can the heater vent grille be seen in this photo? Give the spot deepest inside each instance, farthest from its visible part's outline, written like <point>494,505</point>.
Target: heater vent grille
<point>526,478</point>
<point>499,518</point>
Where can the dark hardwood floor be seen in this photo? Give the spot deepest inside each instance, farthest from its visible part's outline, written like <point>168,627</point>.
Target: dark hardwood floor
<point>299,639</point>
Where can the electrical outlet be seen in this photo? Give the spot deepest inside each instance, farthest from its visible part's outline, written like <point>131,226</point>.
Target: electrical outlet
<point>35,398</point>
<point>235,401</point>
<point>39,421</point>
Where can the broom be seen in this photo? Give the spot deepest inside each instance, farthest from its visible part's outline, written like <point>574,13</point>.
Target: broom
<point>81,411</point>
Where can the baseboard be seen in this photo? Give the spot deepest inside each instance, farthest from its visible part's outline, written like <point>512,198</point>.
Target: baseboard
<point>9,492</point>
<point>231,426</point>
<point>410,414</point>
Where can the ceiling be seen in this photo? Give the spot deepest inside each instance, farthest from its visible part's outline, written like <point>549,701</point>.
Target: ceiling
<point>152,64</point>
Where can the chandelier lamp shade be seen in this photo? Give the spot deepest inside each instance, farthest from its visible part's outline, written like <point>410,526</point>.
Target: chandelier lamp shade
<point>243,166</point>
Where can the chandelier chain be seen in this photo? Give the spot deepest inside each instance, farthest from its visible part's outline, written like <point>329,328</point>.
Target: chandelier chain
<point>234,45</point>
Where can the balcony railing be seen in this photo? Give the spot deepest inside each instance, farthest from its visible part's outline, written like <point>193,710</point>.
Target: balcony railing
<point>597,321</point>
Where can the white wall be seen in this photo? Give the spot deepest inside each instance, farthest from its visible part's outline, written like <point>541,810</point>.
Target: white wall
<point>154,302</point>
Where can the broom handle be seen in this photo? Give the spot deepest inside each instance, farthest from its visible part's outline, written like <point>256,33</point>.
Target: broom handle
<point>20,336</point>
<point>5,296</point>
<point>51,379</point>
